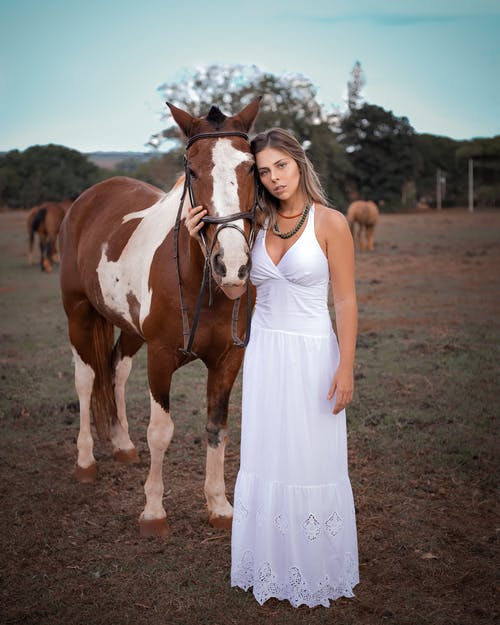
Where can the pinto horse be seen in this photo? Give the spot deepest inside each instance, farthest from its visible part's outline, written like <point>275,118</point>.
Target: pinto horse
<point>127,261</point>
<point>45,220</point>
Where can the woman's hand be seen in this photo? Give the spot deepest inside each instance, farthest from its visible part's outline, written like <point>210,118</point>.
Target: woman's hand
<point>193,221</point>
<point>343,385</point>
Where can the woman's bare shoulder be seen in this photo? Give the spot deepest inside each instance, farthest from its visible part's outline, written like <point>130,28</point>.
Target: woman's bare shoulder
<point>330,219</point>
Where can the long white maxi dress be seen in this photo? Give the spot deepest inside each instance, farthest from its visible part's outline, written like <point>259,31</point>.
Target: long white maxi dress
<point>294,527</point>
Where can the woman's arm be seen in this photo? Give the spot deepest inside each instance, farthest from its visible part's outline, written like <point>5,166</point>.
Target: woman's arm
<point>339,249</point>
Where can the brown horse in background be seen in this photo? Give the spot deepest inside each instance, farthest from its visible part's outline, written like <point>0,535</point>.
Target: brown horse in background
<point>45,220</point>
<point>362,217</point>
<point>118,244</point>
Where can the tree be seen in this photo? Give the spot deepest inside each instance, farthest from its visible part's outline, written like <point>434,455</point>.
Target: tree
<point>288,101</point>
<point>355,86</point>
<point>44,172</point>
<point>435,153</point>
<point>381,151</point>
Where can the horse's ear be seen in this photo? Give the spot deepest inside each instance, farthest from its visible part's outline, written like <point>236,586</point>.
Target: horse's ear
<point>183,120</point>
<point>249,113</point>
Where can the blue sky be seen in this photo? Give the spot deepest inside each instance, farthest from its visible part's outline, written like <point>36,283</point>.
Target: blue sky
<point>85,73</point>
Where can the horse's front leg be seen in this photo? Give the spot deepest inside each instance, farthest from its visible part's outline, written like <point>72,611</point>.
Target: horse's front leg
<point>153,519</point>
<point>220,382</point>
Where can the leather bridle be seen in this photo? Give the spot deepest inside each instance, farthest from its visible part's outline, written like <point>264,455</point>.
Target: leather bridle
<point>226,221</point>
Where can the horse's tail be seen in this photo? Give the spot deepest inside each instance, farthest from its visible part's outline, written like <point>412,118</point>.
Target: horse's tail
<point>38,220</point>
<point>103,398</point>
<point>34,222</point>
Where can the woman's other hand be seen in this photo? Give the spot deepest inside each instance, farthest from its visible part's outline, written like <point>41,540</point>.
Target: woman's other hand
<point>343,386</point>
<point>193,221</point>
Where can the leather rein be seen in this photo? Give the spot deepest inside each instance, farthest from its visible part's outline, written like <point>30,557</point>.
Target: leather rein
<point>221,223</point>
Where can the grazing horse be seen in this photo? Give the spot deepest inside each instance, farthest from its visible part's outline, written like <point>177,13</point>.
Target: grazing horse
<point>45,220</point>
<point>127,261</point>
<point>362,217</point>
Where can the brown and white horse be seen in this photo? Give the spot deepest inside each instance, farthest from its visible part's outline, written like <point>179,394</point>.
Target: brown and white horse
<point>362,217</point>
<point>45,220</point>
<point>118,243</point>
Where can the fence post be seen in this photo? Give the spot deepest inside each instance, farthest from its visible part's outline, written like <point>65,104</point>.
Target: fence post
<point>471,185</point>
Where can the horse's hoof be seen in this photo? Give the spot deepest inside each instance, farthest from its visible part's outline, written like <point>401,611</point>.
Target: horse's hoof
<point>220,522</point>
<point>154,527</point>
<point>127,456</point>
<point>86,475</point>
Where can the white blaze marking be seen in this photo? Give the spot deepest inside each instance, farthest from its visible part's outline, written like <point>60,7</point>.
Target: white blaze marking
<point>225,199</point>
<point>129,275</point>
<point>84,381</point>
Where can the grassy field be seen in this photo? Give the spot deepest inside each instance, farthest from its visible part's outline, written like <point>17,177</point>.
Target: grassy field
<point>422,442</point>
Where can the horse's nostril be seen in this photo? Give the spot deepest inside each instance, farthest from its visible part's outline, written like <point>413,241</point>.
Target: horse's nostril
<point>244,270</point>
<point>219,266</point>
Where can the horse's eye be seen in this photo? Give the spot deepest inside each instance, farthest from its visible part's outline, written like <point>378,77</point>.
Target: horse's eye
<point>193,174</point>
<point>252,169</point>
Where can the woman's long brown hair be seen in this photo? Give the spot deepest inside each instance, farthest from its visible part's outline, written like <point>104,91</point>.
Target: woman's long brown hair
<point>310,185</point>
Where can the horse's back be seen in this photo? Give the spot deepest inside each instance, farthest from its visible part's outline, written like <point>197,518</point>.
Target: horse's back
<point>363,211</point>
<point>100,209</point>
<point>110,200</point>
<point>94,233</point>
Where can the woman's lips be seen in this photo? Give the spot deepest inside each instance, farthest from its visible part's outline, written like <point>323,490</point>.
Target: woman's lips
<point>279,189</point>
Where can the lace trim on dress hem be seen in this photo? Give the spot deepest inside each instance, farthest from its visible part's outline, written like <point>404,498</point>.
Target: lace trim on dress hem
<point>295,589</point>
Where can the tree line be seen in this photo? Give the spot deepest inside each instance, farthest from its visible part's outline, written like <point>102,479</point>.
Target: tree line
<point>365,152</point>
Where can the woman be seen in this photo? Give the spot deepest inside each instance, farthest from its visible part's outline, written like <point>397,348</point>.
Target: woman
<point>294,528</point>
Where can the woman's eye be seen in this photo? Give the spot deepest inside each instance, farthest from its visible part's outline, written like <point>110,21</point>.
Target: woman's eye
<point>281,165</point>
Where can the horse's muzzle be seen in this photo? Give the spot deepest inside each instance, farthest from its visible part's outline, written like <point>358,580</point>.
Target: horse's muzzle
<point>233,273</point>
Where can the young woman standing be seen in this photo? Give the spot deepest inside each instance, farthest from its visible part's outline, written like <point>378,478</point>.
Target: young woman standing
<point>294,527</point>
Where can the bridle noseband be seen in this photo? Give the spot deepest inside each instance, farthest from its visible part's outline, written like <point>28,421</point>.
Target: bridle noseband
<point>226,221</point>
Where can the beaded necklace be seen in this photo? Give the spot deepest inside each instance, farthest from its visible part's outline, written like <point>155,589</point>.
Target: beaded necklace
<point>290,233</point>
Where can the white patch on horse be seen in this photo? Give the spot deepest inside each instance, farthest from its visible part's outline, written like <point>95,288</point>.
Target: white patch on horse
<point>226,202</point>
<point>129,275</point>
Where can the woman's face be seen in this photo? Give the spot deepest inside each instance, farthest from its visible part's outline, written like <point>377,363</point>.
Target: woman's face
<point>279,173</point>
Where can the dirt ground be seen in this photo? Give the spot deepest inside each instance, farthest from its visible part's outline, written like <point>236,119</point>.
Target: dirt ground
<point>422,454</point>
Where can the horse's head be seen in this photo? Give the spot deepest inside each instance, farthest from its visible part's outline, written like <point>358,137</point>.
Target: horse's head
<point>219,169</point>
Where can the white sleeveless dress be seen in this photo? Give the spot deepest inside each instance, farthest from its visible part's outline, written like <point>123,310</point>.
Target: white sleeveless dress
<point>294,527</point>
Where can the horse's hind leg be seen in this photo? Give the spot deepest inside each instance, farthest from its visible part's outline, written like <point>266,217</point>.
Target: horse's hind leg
<point>219,384</point>
<point>370,236</point>
<point>358,237</point>
<point>91,339</point>
<point>80,337</point>
<point>31,242</point>
<point>86,468</point>
<point>125,348</point>
<point>44,252</point>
